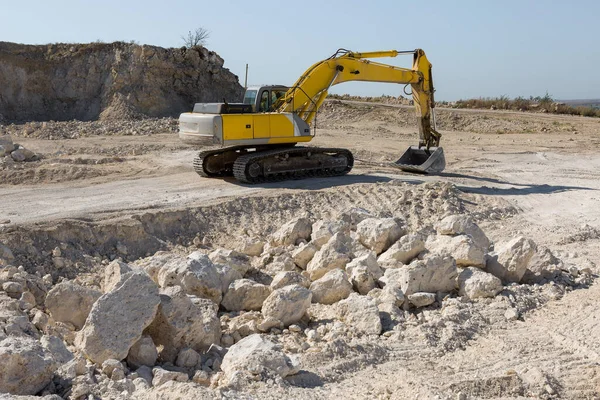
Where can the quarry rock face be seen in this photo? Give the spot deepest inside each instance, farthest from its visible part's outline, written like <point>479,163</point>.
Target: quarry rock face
<point>109,81</point>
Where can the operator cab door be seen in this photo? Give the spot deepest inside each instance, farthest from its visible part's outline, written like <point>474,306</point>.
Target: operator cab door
<point>262,121</point>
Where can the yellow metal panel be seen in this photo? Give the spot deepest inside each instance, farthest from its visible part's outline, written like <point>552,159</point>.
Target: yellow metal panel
<point>262,125</point>
<point>238,126</point>
<point>281,126</point>
<point>293,139</point>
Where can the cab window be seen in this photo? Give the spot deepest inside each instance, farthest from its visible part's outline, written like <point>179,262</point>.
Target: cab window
<point>264,102</point>
<point>276,94</point>
<point>250,96</point>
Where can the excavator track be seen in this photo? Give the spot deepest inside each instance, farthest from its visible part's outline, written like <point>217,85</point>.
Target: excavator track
<point>217,162</point>
<point>292,163</point>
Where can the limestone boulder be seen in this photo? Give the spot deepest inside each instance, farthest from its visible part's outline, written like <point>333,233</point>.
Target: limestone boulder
<point>71,303</point>
<point>236,260</point>
<point>335,254</point>
<point>461,247</point>
<point>511,259</point>
<point>475,283</point>
<point>118,319</point>
<point>162,376</point>
<point>286,278</point>
<point>360,313</point>
<point>362,280</point>
<point>114,275</point>
<point>331,287</point>
<point>6,255</point>
<point>58,349</point>
<point>6,145</point>
<point>287,305</point>
<point>143,352</point>
<point>378,234</point>
<point>227,275</point>
<point>434,274</point>
<point>291,232</point>
<point>25,366</point>
<point>421,299</point>
<point>402,252</point>
<point>323,230</point>
<point>368,260</point>
<point>197,275</point>
<point>250,246</point>
<point>463,225</point>
<point>245,294</point>
<point>256,356</point>
<point>354,216</point>
<point>181,322</point>
<point>303,254</point>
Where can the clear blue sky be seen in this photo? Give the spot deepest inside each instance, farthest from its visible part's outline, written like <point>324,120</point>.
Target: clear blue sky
<point>477,48</point>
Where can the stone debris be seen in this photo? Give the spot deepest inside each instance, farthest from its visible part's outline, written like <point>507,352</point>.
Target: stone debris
<point>421,299</point>
<point>434,274</point>
<point>180,322</point>
<point>197,275</point>
<point>304,253</point>
<point>143,352</point>
<point>71,303</point>
<point>331,288</point>
<point>245,294</point>
<point>250,246</point>
<point>510,260</point>
<point>286,278</point>
<point>378,234</point>
<point>334,254</point>
<point>114,274</point>
<point>360,313</point>
<point>322,231</point>
<point>118,319</point>
<point>15,152</point>
<point>475,283</point>
<point>236,260</point>
<point>463,224</point>
<point>402,252</point>
<point>287,305</point>
<point>254,356</point>
<point>26,367</point>
<point>291,232</point>
<point>462,248</point>
<point>162,376</point>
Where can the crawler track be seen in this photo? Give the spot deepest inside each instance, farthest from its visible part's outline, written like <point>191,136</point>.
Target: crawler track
<point>292,163</point>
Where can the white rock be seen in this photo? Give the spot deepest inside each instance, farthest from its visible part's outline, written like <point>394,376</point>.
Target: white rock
<point>143,352</point>
<point>6,255</point>
<point>511,259</point>
<point>391,294</point>
<point>25,366</point>
<point>227,275</point>
<point>354,216</point>
<point>162,376</point>
<point>245,294</point>
<point>461,247</point>
<point>303,254</point>
<point>72,303</point>
<point>114,275</point>
<point>287,305</point>
<point>369,260</point>
<point>511,314</point>
<point>250,246</point>
<point>187,358</point>
<point>6,145</point>
<point>421,299</point>
<point>118,319</point>
<point>197,275</point>
<point>181,322</point>
<point>434,274</point>
<point>360,313</point>
<point>403,251</point>
<point>291,232</point>
<point>334,254</point>
<point>254,355</point>
<point>57,348</point>
<point>236,260</point>
<point>286,278</point>
<point>463,224</point>
<point>331,288</point>
<point>362,280</point>
<point>475,283</point>
<point>378,234</point>
<point>282,262</point>
<point>322,231</point>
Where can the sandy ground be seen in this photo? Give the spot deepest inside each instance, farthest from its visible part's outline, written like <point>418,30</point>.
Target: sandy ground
<point>551,177</point>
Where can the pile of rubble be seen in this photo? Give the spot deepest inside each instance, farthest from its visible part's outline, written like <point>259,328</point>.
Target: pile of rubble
<point>14,152</point>
<point>229,317</point>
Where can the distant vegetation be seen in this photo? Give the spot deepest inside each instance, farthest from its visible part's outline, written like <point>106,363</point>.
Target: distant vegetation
<point>544,104</point>
<point>196,38</point>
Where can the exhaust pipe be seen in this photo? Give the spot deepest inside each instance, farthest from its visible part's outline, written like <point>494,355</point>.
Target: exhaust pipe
<point>422,160</point>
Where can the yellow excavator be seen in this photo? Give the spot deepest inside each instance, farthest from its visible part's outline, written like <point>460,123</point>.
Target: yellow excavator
<point>258,137</point>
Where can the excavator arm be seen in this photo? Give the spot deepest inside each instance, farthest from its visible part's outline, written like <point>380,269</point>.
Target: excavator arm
<point>310,90</point>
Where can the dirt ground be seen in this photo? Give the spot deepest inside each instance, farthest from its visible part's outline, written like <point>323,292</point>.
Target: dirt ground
<point>517,173</point>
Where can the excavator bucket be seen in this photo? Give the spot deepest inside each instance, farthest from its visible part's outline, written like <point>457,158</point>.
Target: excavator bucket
<point>422,160</point>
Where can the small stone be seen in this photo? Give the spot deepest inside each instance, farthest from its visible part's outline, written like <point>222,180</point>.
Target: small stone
<point>187,358</point>
<point>421,299</point>
<point>511,314</point>
<point>201,378</point>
